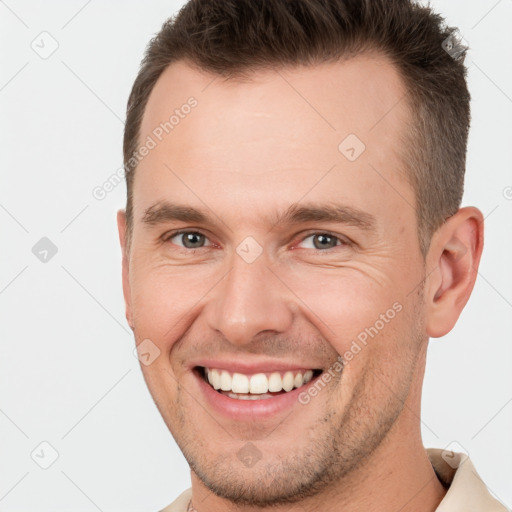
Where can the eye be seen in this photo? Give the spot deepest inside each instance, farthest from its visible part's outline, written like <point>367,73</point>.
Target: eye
<point>323,241</point>
<point>195,240</point>
<point>187,239</point>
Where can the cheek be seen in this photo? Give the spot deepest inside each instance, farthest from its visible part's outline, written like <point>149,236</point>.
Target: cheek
<point>164,298</point>
<point>344,302</point>
<point>367,321</point>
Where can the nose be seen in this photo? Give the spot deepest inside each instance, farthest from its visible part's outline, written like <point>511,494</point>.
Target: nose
<point>249,300</point>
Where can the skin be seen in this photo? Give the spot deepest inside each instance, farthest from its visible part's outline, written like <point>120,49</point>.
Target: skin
<point>249,150</point>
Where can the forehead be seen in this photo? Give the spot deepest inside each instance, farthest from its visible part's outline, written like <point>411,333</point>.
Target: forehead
<point>363,94</point>
<point>276,131</point>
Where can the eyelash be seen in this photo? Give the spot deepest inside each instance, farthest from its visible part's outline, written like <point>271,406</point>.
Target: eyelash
<point>343,240</point>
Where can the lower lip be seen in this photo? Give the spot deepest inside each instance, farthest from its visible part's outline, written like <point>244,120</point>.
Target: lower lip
<point>250,410</point>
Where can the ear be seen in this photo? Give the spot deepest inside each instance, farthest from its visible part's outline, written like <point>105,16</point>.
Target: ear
<point>454,255</point>
<point>121,227</point>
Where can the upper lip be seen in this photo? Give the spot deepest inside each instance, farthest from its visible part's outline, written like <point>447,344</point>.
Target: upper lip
<point>252,367</point>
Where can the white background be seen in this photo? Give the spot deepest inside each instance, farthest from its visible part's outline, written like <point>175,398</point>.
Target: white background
<point>67,372</point>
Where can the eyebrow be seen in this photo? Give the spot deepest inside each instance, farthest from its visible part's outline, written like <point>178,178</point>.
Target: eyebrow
<point>164,211</point>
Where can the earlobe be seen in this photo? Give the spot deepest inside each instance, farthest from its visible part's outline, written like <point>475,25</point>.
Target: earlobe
<point>121,227</point>
<point>454,256</point>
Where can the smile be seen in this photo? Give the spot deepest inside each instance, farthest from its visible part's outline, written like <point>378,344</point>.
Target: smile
<point>257,386</point>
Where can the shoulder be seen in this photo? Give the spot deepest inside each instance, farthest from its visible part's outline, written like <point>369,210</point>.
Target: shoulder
<point>180,504</point>
<point>466,490</point>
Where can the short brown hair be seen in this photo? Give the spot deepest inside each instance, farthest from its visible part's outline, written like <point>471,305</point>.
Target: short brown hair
<point>232,37</point>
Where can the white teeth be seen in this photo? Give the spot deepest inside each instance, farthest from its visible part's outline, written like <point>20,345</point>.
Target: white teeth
<point>288,381</point>
<point>275,382</point>
<point>225,381</point>
<point>259,384</point>
<point>249,397</point>
<point>215,378</point>
<point>308,376</point>
<point>240,383</point>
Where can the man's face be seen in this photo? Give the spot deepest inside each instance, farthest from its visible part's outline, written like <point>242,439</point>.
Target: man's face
<point>243,292</point>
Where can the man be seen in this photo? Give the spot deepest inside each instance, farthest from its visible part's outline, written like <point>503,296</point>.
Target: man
<point>292,238</point>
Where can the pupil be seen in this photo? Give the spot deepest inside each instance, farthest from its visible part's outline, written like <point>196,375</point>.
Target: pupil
<point>192,238</point>
<point>324,238</point>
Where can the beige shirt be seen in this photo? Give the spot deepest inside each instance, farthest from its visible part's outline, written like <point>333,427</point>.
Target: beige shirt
<point>466,492</point>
